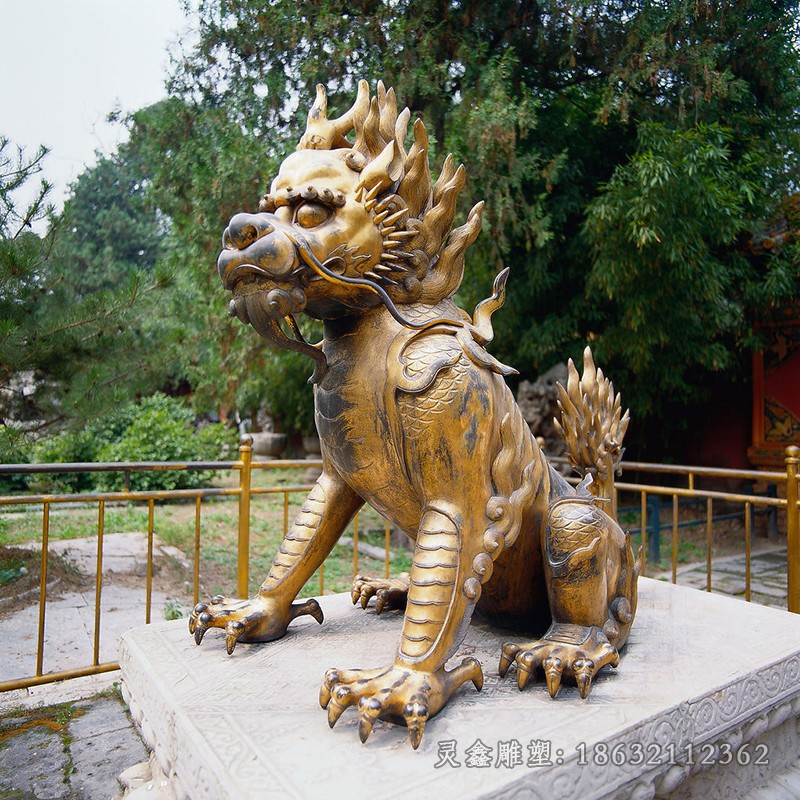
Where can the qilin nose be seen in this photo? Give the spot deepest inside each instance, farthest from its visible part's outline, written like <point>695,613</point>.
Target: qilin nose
<point>244,229</point>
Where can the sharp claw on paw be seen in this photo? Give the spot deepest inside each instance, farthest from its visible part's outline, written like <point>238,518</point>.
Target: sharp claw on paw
<point>388,592</point>
<point>395,692</point>
<point>581,660</point>
<point>524,670</point>
<point>583,670</point>
<point>197,611</point>
<point>310,607</point>
<point>260,619</point>
<point>369,709</point>
<point>507,658</point>
<point>553,668</point>
<point>341,699</point>
<point>475,670</point>
<point>233,630</point>
<point>415,715</point>
<point>324,696</point>
<point>202,625</point>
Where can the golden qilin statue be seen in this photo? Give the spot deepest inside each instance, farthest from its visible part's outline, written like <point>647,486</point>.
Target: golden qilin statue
<point>415,419</point>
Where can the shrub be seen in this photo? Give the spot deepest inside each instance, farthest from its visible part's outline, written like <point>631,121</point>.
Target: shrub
<point>161,428</point>
<point>15,447</point>
<point>61,448</point>
<point>158,428</point>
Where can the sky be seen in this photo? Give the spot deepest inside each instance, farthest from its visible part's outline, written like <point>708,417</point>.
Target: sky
<point>66,64</point>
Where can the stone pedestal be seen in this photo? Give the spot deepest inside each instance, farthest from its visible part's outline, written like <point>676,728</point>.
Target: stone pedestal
<point>705,704</point>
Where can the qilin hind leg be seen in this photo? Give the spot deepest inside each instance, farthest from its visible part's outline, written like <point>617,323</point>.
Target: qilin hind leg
<point>591,576</point>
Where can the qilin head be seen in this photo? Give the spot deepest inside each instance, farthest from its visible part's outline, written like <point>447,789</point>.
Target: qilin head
<point>349,223</point>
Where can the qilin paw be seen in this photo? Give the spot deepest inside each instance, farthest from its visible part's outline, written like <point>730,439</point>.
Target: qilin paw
<point>260,619</point>
<point>573,651</point>
<point>389,593</point>
<point>396,693</point>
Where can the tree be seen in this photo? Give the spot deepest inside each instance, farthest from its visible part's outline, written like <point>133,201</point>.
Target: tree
<point>109,230</point>
<point>71,353</point>
<point>201,169</point>
<point>626,152</point>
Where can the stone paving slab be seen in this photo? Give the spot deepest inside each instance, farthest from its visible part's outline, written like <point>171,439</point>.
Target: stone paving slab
<point>32,765</point>
<point>74,621</point>
<point>768,577</point>
<point>70,616</point>
<point>79,761</point>
<point>124,553</point>
<point>103,746</point>
<point>69,629</point>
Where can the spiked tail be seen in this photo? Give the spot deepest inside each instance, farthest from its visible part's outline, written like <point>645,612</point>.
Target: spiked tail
<point>592,425</point>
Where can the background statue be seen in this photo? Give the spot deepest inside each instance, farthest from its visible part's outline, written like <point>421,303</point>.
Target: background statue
<point>538,402</point>
<point>415,419</point>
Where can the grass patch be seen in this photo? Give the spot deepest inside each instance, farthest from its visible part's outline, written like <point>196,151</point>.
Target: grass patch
<point>173,610</point>
<point>174,525</point>
<point>689,551</point>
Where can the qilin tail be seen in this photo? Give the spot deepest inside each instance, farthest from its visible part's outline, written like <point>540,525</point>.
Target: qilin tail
<point>593,426</point>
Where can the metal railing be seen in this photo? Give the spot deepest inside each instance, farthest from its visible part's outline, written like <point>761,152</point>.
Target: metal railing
<point>785,500</point>
<point>759,491</point>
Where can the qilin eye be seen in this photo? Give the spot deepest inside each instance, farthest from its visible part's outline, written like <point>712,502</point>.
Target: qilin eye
<point>309,215</point>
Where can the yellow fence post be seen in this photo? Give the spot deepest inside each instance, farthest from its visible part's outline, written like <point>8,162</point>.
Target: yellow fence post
<point>243,554</point>
<point>793,528</point>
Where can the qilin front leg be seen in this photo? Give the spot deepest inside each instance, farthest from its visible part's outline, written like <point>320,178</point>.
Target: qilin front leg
<point>325,514</point>
<point>416,686</point>
<point>591,579</point>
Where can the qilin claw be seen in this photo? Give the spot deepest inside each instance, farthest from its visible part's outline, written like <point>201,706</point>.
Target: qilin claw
<point>233,630</point>
<point>553,669</point>
<point>389,593</point>
<point>262,618</point>
<point>196,612</point>
<point>202,625</point>
<point>369,709</point>
<point>341,699</point>
<point>394,692</point>
<point>415,715</point>
<point>581,659</point>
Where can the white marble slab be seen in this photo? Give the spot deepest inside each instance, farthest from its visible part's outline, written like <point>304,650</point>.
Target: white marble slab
<point>704,678</point>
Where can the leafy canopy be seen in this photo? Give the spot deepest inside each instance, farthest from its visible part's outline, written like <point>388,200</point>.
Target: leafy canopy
<point>627,153</point>
<point>71,343</point>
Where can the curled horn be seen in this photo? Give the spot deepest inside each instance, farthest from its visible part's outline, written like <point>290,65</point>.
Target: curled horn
<point>323,133</point>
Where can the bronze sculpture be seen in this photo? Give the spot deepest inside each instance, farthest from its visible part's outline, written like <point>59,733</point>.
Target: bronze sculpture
<point>416,420</point>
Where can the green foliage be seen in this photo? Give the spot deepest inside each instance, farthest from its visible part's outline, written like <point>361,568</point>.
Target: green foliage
<point>15,448</point>
<point>64,448</point>
<point>12,571</point>
<point>161,428</point>
<point>173,610</point>
<point>109,229</point>
<point>158,428</point>
<point>663,233</point>
<point>203,168</point>
<point>83,350</point>
<point>626,152</point>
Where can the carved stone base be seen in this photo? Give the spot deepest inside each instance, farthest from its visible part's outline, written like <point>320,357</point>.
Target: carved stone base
<point>705,704</point>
